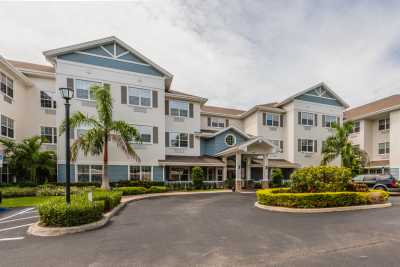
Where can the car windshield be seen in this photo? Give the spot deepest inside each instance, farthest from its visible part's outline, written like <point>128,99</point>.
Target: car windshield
<point>358,178</point>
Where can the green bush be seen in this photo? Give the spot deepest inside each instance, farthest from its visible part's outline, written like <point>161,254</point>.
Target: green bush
<point>110,199</point>
<point>320,179</point>
<point>282,197</point>
<point>1,197</point>
<point>197,177</point>
<point>277,177</point>
<point>127,191</point>
<point>136,183</point>
<point>56,213</point>
<point>13,191</point>
<point>50,190</point>
<point>157,189</point>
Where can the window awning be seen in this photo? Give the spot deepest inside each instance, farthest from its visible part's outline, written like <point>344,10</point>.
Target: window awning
<point>201,161</point>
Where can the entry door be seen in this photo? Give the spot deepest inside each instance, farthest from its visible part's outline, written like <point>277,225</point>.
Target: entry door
<point>231,174</point>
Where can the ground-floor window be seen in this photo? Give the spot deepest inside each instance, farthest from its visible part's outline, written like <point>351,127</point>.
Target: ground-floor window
<point>378,171</point>
<point>178,174</point>
<point>4,174</point>
<point>140,173</point>
<point>89,173</point>
<point>220,174</point>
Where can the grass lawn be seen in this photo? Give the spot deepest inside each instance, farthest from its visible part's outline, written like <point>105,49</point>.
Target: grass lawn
<point>23,201</point>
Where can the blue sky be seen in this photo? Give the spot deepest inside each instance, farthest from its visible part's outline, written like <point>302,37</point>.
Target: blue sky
<point>235,53</point>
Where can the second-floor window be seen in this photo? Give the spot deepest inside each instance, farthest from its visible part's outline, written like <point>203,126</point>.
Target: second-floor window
<point>272,119</point>
<point>49,134</point>
<point>278,143</point>
<point>7,126</point>
<point>307,145</point>
<point>329,120</point>
<point>139,97</point>
<point>217,122</point>
<point>178,139</point>
<point>356,127</point>
<point>384,124</point>
<point>6,85</point>
<point>83,89</point>
<point>146,133</point>
<point>307,118</point>
<point>179,108</point>
<point>46,100</point>
<point>384,148</point>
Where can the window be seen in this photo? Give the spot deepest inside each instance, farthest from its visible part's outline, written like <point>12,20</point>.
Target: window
<point>217,122</point>
<point>146,133</point>
<point>279,144</point>
<point>272,119</point>
<point>178,174</point>
<point>7,126</point>
<point>220,174</point>
<point>140,173</point>
<point>46,100</point>
<point>356,127</point>
<point>82,130</point>
<point>230,140</point>
<point>49,134</point>
<point>6,85</point>
<point>329,120</point>
<point>384,148</point>
<point>178,139</point>
<point>179,108</point>
<point>307,145</point>
<point>83,89</point>
<point>307,118</point>
<point>384,124</point>
<point>139,97</point>
<point>90,173</point>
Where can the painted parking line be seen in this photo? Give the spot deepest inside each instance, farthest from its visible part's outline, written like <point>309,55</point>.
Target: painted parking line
<point>19,219</point>
<point>16,214</point>
<point>15,227</point>
<point>12,238</point>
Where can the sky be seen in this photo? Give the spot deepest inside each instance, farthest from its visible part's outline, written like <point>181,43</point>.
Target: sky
<point>236,53</point>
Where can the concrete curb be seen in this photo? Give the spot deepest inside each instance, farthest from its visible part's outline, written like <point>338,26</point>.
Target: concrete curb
<point>37,230</point>
<point>321,210</point>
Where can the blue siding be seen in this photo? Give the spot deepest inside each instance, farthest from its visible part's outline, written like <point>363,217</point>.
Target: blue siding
<point>110,63</point>
<point>97,51</point>
<point>109,48</point>
<point>319,100</point>
<point>61,173</point>
<point>118,172</point>
<point>158,172</point>
<point>214,145</point>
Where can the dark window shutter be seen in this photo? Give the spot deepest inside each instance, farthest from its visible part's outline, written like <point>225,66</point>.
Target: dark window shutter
<point>315,145</point>
<point>209,121</point>
<point>190,110</point>
<point>155,99</point>
<point>226,123</point>
<point>167,139</point>
<point>316,119</point>
<point>71,133</point>
<point>70,83</point>
<point>281,120</point>
<point>155,135</point>
<point>264,118</point>
<point>124,94</point>
<point>299,117</point>
<point>166,107</point>
<point>191,140</point>
<point>299,145</point>
<point>323,120</point>
<point>281,145</point>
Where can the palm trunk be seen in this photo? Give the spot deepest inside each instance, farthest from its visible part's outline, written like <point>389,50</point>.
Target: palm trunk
<point>105,182</point>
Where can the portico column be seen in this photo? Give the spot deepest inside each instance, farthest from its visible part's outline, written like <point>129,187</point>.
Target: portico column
<point>248,168</point>
<point>265,172</point>
<point>238,178</point>
<point>225,169</point>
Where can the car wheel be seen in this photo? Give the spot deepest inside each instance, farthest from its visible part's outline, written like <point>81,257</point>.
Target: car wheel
<point>380,188</point>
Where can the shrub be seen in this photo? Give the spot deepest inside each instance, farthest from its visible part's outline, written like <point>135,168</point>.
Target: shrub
<point>283,197</point>
<point>277,177</point>
<point>127,191</point>
<point>197,177</point>
<point>136,183</point>
<point>12,191</point>
<point>320,179</point>
<point>110,199</point>
<point>56,213</point>
<point>0,197</point>
<point>157,189</point>
<point>50,190</point>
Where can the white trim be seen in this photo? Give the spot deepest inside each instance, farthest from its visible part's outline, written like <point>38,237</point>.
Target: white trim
<point>227,129</point>
<point>113,58</point>
<point>108,52</point>
<point>330,98</point>
<point>234,139</point>
<point>123,54</point>
<point>17,72</point>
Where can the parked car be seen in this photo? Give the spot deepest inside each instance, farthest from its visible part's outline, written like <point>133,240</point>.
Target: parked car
<point>376,181</point>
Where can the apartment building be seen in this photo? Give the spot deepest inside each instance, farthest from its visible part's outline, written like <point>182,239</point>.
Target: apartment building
<point>179,130</point>
<point>376,131</point>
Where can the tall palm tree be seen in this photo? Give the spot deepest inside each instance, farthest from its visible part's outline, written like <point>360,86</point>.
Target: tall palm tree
<point>28,158</point>
<point>101,130</point>
<point>339,145</point>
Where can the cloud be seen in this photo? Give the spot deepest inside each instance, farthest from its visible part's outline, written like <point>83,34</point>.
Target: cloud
<point>235,53</point>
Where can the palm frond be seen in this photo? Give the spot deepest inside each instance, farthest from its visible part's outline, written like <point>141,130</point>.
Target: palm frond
<point>78,119</point>
<point>103,103</point>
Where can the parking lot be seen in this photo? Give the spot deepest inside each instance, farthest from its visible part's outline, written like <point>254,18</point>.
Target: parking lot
<point>15,222</point>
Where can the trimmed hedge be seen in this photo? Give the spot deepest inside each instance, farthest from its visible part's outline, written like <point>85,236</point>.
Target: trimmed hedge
<point>13,191</point>
<point>157,189</point>
<point>137,183</point>
<point>127,191</point>
<point>284,198</point>
<point>110,199</point>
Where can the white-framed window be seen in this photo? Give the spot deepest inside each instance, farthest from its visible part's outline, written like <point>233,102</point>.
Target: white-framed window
<point>356,127</point>
<point>146,134</point>
<point>217,122</point>
<point>384,148</point>
<point>220,174</point>
<point>384,124</point>
<point>140,173</point>
<point>307,145</point>
<point>272,119</point>
<point>178,139</point>
<point>139,97</point>
<point>179,174</point>
<point>278,143</point>
<point>329,120</point>
<point>6,85</point>
<point>89,173</point>
<point>7,126</point>
<point>230,140</point>
<point>179,108</point>
<point>48,134</point>
<point>46,100</point>
<point>83,89</point>
<point>307,118</point>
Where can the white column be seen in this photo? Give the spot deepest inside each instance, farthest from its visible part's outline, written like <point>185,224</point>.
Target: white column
<point>248,169</point>
<point>238,167</point>
<point>225,169</point>
<point>265,171</point>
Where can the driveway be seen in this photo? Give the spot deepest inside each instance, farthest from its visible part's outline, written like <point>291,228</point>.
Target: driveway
<point>219,230</point>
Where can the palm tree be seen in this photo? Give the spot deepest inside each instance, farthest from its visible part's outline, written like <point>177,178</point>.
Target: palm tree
<point>101,130</point>
<point>28,158</point>
<point>339,145</point>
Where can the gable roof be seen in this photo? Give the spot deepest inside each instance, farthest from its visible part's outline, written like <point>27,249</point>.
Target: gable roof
<point>21,65</point>
<point>51,54</point>
<point>233,128</point>
<point>16,72</point>
<point>222,110</point>
<point>321,84</point>
<point>381,105</point>
<point>183,96</point>
<point>245,145</point>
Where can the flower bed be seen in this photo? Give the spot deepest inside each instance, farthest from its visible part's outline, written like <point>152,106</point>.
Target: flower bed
<point>283,197</point>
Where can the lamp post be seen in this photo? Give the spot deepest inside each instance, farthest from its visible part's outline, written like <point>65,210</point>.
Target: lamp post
<point>67,94</point>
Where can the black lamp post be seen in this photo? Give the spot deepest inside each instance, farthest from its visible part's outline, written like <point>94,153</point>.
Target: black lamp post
<point>67,94</point>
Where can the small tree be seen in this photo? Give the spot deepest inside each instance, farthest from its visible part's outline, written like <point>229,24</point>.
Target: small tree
<point>197,177</point>
<point>277,177</point>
